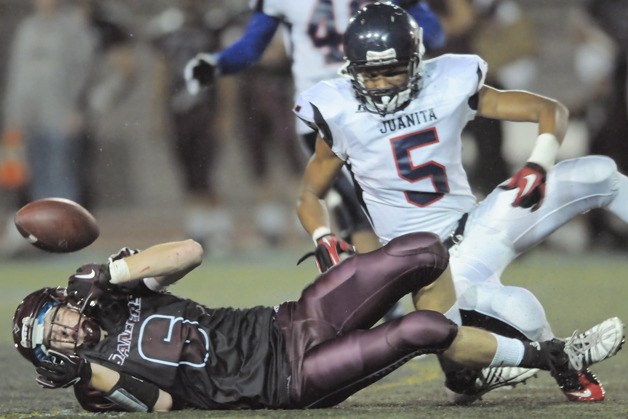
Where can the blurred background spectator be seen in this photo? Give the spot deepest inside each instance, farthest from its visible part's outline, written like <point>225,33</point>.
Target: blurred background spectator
<point>266,127</point>
<point>112,77</point>
<point>48,68</point>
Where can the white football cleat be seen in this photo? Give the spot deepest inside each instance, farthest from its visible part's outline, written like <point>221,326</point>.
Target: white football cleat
<point>489,379</point>
<point>596,344</point>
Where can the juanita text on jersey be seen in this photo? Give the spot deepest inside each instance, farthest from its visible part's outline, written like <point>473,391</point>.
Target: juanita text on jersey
<point>408,120</point>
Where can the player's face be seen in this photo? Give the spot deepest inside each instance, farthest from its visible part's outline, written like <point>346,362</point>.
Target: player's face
<point>66,329</point>
<point>379,78</point>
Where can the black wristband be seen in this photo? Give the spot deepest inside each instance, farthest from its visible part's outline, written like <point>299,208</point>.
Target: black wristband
<point>133,394</point>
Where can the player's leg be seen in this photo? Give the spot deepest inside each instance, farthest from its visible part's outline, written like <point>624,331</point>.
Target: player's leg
<point>359,291</point>
<point>356,293</point>
<point>354,225</point>
<point>497,232</point>
<point>352,222</point>
<point>334,370</point>
<point>574,186</point>
<point>338,368</point>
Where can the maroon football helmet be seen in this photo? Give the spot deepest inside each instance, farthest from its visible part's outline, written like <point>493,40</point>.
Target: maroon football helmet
<point>28,321</point>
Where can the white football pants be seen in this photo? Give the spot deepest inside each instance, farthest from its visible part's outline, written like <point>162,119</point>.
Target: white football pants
<point>496,233</point>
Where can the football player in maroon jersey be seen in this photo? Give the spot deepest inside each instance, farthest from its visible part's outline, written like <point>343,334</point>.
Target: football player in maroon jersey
<point>127,344</point>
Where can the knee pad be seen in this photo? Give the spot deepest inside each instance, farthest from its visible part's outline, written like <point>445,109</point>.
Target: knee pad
<point>591,170</point>
<point>420,244</point>
<point>514,306</point>
<point>424,328</point>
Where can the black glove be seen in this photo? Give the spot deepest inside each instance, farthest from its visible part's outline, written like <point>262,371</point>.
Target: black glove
<point>530,181</point>
<point>90,282</point>
<point>63,371</point>
<point>200,71</point>
<point>328,250</point>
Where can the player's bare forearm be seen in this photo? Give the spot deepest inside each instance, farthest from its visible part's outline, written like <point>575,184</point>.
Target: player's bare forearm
<point>320,173</point>
<point>167,262</point>
<point>312,211</point>
<point>522,106</point>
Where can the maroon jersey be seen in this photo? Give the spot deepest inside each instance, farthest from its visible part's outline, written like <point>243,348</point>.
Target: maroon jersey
<point>205,358</point>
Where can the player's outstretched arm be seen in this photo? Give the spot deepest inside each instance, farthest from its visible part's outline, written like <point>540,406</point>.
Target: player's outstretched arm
<point>202,70</point>
<point>157,267</point>
<point>166,262</point>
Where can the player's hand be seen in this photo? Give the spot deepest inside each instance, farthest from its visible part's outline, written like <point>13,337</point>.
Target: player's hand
<point>530,182</point>
<point>90,282</point>
<point>329,249</point>
<point>62,371</point>
<point>200,72</point>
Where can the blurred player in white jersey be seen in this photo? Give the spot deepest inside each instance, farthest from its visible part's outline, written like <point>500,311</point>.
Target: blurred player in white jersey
<point>395,120</point>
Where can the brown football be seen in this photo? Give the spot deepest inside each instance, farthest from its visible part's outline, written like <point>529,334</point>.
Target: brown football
<point>57,225</point>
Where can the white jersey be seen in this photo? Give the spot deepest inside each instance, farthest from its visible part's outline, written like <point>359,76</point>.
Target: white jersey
<point>314,31</point>
<point>408,166</point>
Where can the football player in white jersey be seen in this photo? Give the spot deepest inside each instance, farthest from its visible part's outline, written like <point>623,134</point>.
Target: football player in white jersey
<point>395,121</point>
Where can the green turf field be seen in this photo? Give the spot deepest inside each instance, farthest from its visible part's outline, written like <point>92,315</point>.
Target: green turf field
<point>577,291</point>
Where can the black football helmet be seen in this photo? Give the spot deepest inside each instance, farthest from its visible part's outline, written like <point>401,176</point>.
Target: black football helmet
<point>383,35</point>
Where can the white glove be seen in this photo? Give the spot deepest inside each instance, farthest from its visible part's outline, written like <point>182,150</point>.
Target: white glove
<point>200,71</point>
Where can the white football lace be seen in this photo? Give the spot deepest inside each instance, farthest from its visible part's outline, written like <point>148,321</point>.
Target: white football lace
<point>578,350</point>
<point>580,347</point>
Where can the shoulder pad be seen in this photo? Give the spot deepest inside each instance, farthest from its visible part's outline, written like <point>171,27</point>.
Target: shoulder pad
<point>320,104</point>
<point>466,71</point>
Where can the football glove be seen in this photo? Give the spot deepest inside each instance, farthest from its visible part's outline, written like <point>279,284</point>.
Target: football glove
<point>62,371</point>
<point>90,282</point>
<point>530,182</point>
<point>200,71</point>
<point>328,252</point>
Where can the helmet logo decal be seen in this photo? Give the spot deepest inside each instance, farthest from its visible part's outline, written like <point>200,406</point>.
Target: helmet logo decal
<point>389,54</point>
<point>26,322</point>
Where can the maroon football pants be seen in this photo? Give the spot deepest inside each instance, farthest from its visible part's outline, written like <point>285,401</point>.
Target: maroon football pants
<point>333,349</point>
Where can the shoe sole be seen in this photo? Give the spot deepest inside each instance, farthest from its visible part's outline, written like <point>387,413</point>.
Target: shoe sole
<point>464,399</point>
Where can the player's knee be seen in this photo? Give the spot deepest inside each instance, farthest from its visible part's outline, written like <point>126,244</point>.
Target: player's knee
<point>425,329</point>
<point>590,169</point>
<point>515,306</point>
<point>423,250</point>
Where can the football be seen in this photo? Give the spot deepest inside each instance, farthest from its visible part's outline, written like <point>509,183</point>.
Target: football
<point>57,225</point>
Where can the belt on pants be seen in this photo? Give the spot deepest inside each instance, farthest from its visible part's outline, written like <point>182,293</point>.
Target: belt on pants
<point>456,236</point>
